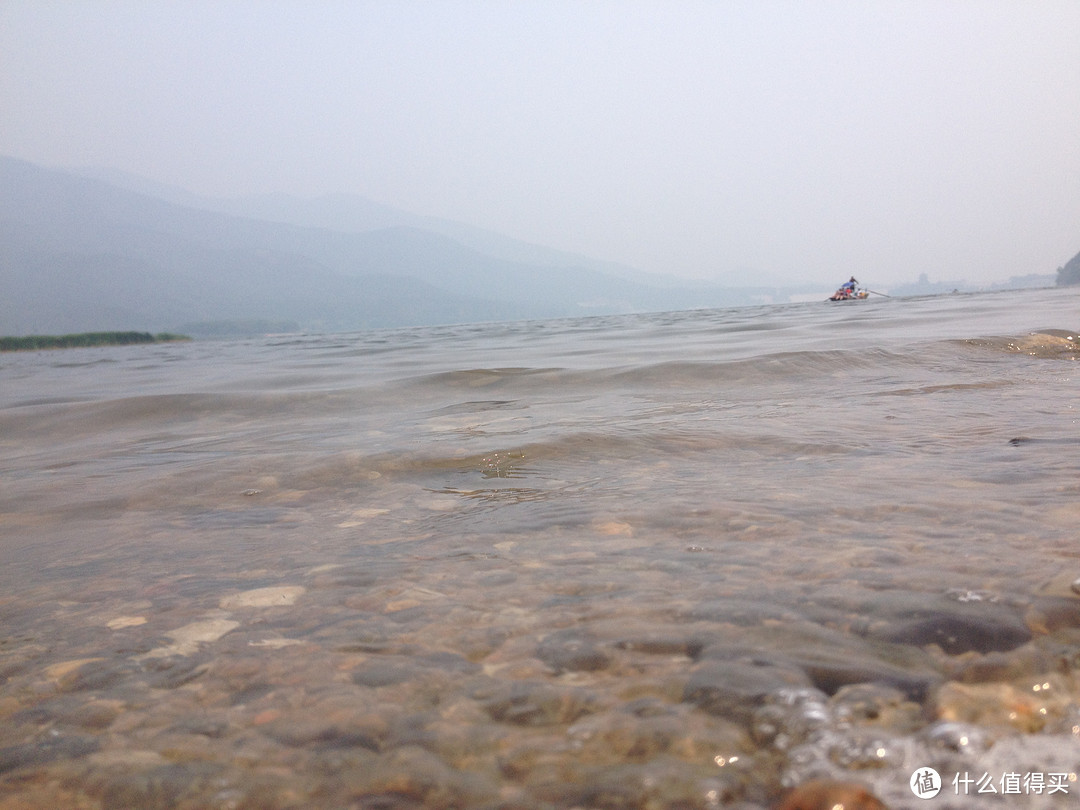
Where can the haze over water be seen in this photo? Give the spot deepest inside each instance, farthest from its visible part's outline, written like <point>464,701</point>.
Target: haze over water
<point>758,142</point>
<point>688,559</point>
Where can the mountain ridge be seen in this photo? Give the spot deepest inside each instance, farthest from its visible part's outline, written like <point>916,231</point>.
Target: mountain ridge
<point>354,213</point>
<point>78,254</point>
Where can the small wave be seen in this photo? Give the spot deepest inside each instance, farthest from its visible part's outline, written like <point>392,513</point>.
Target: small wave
<point>947,388</point>
<point>478,406</point>
<point>775,366</point>
<point>1044,343</point>
<point>480,377</point>
<point>97,361</point>
<point>568,458</point>
<point>500,495</point>
<point>650,376</point>
<point>47,401</point>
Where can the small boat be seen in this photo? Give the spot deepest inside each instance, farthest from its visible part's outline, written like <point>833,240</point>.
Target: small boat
<point>850,291</point>
<point>849,295</point>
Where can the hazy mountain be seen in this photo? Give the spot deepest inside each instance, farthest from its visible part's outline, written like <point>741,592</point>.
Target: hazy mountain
<point>352,213</point>
<point>78,253</point>
<point>1069,273</point>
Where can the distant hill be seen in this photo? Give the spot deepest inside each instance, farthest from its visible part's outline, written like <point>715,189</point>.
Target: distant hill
<point>1070,273</point>
<point>81,254</point>
<point>352,213</point>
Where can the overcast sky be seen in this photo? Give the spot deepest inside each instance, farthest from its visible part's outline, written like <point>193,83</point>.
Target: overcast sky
<point>785,141</point>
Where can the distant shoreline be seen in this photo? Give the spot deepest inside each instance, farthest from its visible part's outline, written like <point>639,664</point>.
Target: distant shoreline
<point>84,339</point>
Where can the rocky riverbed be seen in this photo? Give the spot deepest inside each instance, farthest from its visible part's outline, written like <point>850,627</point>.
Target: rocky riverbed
<point>478,680</point>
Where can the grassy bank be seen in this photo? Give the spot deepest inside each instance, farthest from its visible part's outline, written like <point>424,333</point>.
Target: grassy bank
<point>30,342</point>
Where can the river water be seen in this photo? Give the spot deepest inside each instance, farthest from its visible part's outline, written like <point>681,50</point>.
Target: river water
<point>691,559</point>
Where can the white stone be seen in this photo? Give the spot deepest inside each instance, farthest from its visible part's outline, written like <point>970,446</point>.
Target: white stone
<point>278,596</point>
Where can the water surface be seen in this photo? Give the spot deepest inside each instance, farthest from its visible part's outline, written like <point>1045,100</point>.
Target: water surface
<point>687,559</point>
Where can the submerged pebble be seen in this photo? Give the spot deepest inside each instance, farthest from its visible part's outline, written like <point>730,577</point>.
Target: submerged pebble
<point>187,639</point>
<point>278,596</point>
<point>571,650</point>
<point>831,795</point>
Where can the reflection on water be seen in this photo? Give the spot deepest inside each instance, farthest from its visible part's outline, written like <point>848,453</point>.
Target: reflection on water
<point>680,560</point>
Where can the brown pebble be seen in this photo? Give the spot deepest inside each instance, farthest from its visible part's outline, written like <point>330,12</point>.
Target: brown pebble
<point>265,716</point>
<point>827,794</point>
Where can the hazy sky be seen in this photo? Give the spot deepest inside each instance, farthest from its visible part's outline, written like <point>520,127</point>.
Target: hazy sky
<point>788,141</point>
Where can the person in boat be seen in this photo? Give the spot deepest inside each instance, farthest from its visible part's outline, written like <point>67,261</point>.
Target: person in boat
<point>847,289</point>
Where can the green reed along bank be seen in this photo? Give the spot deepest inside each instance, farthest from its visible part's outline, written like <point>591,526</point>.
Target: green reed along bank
<point>31,342</point>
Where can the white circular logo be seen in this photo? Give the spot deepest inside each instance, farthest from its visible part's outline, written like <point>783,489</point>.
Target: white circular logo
<point>925,783</point>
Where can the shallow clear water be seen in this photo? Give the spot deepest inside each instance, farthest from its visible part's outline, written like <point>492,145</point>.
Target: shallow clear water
<point>686,559</point>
